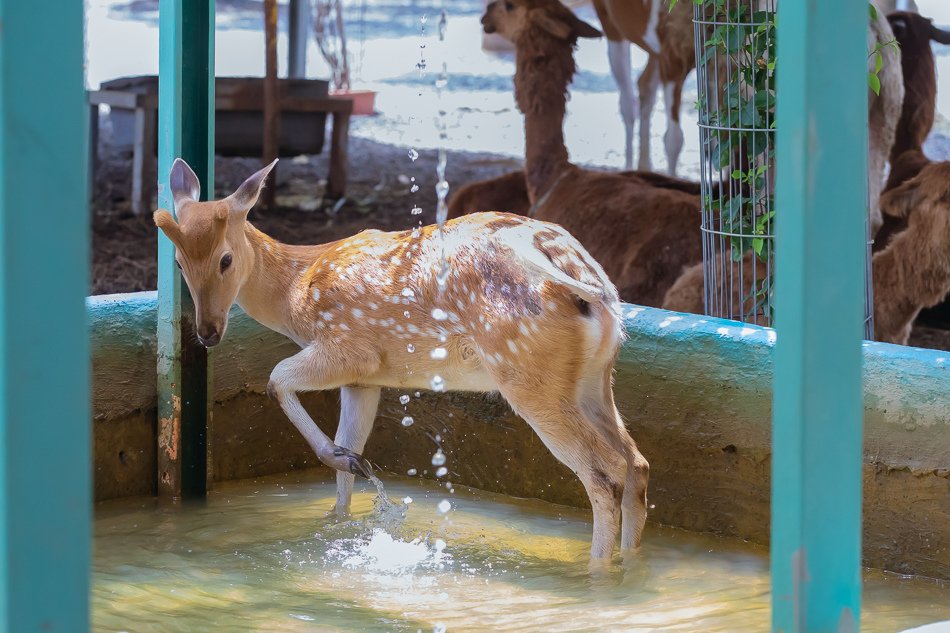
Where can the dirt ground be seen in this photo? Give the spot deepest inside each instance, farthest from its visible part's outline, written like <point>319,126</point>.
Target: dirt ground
<point>378,196</point>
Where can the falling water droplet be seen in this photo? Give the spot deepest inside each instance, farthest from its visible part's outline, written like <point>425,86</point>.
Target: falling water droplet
<point>439,314</point>
<point>441,472</point>
<point>411,472</point>
<point>413,155</point>
<point>438,458</point>
<point>442,188</point>
<point>414,188</point>
<point>407,500</point>
<point>444,506</point>
<point>439,353</point>
<point>410,348</point>
<point>416,210</point>
<point>407,421</point>
<point>405,313</point>
<point>437,383</point>
<point>418,394</point>
<point>404,399</point>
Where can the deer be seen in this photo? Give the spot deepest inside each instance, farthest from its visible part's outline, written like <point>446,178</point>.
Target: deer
<point>491,302</point>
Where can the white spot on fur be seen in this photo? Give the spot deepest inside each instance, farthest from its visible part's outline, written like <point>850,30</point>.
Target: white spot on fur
<point>344,327</point>
<point>357,313</point>
<point>523,329</point>
<point>316,294</point>
<point>439,353</point>
<point>512,346</point>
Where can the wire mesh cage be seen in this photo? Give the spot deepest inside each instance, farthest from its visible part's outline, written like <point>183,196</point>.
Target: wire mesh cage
<point>735,65</point>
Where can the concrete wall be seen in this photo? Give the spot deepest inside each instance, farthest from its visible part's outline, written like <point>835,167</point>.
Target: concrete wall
<point>695,391</point>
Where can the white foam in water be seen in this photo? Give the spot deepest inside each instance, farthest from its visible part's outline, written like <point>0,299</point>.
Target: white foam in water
<point>380,552</point>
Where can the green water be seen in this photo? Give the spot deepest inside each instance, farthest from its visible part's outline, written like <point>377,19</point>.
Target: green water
<point>263,556</point>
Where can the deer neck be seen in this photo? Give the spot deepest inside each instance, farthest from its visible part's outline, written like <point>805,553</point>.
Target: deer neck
<point>266,294</point>
<point>545,67</point>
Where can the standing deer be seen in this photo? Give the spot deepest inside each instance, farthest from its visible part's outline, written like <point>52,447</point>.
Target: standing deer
<point>526,311</point>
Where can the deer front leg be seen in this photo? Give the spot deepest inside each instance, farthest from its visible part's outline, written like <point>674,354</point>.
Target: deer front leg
<point>314,369</point>
<point>358,407</point>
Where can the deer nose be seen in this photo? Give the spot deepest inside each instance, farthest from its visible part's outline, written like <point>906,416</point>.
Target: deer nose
<point>208,335</point>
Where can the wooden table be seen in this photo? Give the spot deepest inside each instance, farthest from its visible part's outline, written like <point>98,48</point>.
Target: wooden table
<point>145,107</point>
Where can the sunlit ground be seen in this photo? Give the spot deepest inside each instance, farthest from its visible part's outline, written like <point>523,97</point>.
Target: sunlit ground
<point>479,103</point>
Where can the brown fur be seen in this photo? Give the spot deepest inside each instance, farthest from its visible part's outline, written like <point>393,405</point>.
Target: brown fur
<point>912,273</point>
<point>914,34</point>
<point>641,233</point>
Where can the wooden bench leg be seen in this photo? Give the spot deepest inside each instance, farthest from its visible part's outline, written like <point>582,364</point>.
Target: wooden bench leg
<point>339,162</point>
<point>93,147</point>
<point>143,161</point>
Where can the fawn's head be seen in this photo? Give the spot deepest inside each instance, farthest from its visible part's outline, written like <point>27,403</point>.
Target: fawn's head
<point>512,18</point>
<point>211,248</point>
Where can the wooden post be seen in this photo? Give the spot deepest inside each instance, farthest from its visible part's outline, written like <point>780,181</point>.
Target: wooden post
<point>271,99</point>
<point>45,456</point>
<point>186,130</point>
<point>298,36</point>
<point>820,248</point>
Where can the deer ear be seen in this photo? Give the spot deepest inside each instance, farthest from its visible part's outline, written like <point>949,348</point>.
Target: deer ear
<point>184,183</point>
<point>242,200</point>
<point>164,221</point>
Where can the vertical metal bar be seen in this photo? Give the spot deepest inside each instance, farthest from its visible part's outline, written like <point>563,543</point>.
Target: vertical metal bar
<point>45,471</point>
<point>271,99</point>
<point>186,130</point>
<point>816,458</point>
<point>299,31</point>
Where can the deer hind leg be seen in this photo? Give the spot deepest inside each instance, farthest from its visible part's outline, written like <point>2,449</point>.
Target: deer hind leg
<point>544,393</point>
<point>596,400</point>
<point>618,54</point>
<point>317,368</point>
<point>647,84</point>
<point>572,440</point>
<point>358,407</point>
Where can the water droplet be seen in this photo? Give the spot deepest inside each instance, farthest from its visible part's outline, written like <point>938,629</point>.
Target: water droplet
<point>439,628</point>
<point>439,314</point>
<point>442,471</point>
<point>407,500</point>
<point>414,188</point>
<point>405,313</point>
<point>442,189</point>
<point>404,399</point>
<point>416,210</point>
<point>410,348</point>
<point>438,459</point>
<point>424,18</point>
<point>411,472</point>
<point>444,506</point>
<point>418,394</point>
<point>407,421</point>
<point>439,353</point>
<point>437,383</point>
<point>413,155</point>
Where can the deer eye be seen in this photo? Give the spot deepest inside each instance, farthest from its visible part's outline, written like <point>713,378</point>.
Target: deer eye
<point>178,263</point>
<point>225,262</point>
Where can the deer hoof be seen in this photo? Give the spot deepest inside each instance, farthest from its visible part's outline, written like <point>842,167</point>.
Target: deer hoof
<point>346,460</point>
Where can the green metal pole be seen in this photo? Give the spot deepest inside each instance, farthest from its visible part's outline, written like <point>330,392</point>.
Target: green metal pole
<point>821,207</point>
<point>45,435</point>
<point>186,130</point>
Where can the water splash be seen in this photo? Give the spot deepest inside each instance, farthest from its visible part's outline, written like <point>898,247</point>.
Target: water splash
<point>386,511</point>
<point>407,421</point>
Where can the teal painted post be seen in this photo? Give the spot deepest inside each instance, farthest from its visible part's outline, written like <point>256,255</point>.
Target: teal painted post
<point>45,462</point>
<point>820,248</point>
<point>186,130</point>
